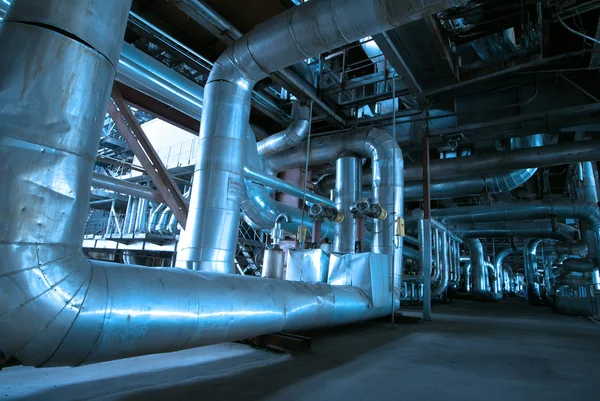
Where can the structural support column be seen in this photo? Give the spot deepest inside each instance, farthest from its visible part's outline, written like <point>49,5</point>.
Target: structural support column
<point>348,184</point>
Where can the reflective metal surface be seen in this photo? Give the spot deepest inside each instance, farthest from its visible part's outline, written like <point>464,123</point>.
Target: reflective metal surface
<point>260,209</point>
<point>97,25</point>
<point>307,265</point>
<point>291,136</point>
<point>479,274</point>
<point>53,98</point>
<point>444,267</point>
<point>534,296</point>
<point>518,229</point>
<point>273,263</point>
<point>124,187</point>
<point>388,167</point>
<point>347,191</point>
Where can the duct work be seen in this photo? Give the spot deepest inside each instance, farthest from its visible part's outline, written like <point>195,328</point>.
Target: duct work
<point>499,267</point>
<point>58,308</point>
<point>387,182</point>
<point>301,32</point>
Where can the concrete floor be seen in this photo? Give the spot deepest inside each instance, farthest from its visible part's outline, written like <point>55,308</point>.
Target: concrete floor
<point>471,351</point>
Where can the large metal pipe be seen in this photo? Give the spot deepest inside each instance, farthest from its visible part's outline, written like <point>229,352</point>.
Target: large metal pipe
<point>589,192</point>
<point>210,240</point>
<point>534,295</point>
<point>260,209</point>
<point>519,159</point>
<point>479,274</point>
<point>56,307</point>
<point>291,136</point>
<point>347,191</point>
<point>387,161</point>
<point>517,229</point>
<point>259,177</point>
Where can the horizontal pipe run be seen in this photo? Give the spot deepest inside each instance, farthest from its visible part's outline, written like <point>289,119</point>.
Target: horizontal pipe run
<point>283,186</point>
<point>125,187</point>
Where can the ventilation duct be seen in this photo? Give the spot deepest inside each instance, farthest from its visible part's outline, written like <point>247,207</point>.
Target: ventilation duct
<point>210,239</point>
<point>56,307</point>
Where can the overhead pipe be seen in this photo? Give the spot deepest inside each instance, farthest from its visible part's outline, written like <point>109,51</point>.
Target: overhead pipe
<point>479,273</point>
<point>90,311</point>
<point>387,160</point>
<point>291,136</point>
<point>518,229</point>
<point>260,209</point>
<point>125,187</point>
<point>255,175</point>
<point>589,192</point>
<point>300,32</point>
<point>534,295</point>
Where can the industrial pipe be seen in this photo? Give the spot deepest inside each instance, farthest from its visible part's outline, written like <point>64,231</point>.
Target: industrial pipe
<point>291,136</point>
<point>517,229</point>
<point>210,239</point>
<point>89,311</point>
<point>125,187</point>
<point>479,274</point>
<point>534,296</point>
<point>347,191</point>
<point>387,161</point>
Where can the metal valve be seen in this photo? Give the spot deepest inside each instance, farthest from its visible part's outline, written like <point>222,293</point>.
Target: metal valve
<point>277,232</point>
<point>364,208</point>
<point>320,212</point>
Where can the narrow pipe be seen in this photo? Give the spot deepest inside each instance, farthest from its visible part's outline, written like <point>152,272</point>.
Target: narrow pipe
<point>270,181</point>
<point>125,187</point>
<point>442,285</point>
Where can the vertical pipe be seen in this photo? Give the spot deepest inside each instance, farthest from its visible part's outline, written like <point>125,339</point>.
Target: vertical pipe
<point>348,184</point>
<point>437,248</point>
<point>531,275</point>
<point>316,233</point>
<point>425,249</point>
<point>479,276</point>
<point>142,217</point>
<point>589,192</point>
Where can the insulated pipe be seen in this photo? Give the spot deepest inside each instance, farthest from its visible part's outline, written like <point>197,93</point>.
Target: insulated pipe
<point>210,240</point>
<point>154,216</point>
<point>466,272</point>
<point>347,192</point>
<point>273,182</point>
<point>58,308</point>
<point>502,255</point>
<point>260,209</point>
<point>387,161</point>
<point>469,185</point>
<point>589,193</point>
<point>534,296</point>
<point>495,281</point>
<point>291,136</point>
<point>517,229</point>
<point>585,211</point>
<point>444,268</point>
<point>125,187</point>
<point>479,274</point>
<point>519,159</point>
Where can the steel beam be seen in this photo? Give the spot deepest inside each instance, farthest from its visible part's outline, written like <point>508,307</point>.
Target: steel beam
<point>149,159</point>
